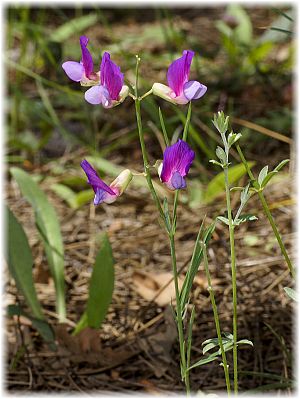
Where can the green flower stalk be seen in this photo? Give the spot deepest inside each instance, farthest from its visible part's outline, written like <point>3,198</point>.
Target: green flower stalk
<point>267,212</point>
<point>221,123</point>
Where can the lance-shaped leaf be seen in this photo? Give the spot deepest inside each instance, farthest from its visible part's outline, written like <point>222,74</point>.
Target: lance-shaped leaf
<point>20,263</point>
<point>40,325</point>
<point>48,226</point>
<point>195,262</point>
<point>101,285</point>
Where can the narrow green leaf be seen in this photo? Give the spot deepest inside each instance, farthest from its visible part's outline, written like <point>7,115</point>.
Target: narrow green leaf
<point>187,122</point>
<point>282,164</point>
<point>262,174</point>
<point>245,218</point>
<point>209,346</point>
<point>220,153</point>
<point>195,262</point>
<point>245,342</point>
<point>101,285</point>
<point>189,338</point>
<point>40,325</point>
<point>291,293</point>
<point>205,360</point>
<point>20,263</point>
<point>82,323</point>
<point>48,226</point>
<point>73,27</point>
<point>223,219</point>
<point>217,184</point>
<point>163,127</point>
<point>66,193</point>
<point>268,178</point>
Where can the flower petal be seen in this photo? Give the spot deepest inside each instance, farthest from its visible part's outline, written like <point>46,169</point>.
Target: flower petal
<point>163,91</point>
<point>111,76</point>
<point>177,158</point>
<point>179,71</point>
<point>178,181</point>
<point>194,90</point>
<point>74,70</point>
<point>94,180</point>
<point>97,95</point>
<point>86,57</point>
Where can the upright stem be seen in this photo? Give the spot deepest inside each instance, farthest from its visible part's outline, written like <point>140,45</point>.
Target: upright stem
<point>184,371</point>
<point>268,213</point>
<point>142,142</point>
<point>216,317</point>
<point>233,277</point>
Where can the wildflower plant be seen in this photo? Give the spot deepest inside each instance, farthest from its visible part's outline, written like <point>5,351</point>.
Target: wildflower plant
<point>108,90</point>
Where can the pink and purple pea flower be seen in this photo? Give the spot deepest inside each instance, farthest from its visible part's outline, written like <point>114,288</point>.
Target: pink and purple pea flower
<point>103,192</point>
<point>82,71</point>
<point>180,89</point>
<point>176,163</point>
<point>108,86</point>
<point>111,91</point>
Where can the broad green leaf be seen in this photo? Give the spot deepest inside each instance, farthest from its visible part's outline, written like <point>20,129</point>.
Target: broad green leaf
<point>48,226</point>
<point>73,27</point>
<point>262,174</point>
<point>20,263</point>
<point>101,285</point>
<point>217,184</point>
<point>291,293</point>
<point>40,325</point>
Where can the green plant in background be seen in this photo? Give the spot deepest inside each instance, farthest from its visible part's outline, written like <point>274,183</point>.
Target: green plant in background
<point>101,281</point>
<point>242,50</point>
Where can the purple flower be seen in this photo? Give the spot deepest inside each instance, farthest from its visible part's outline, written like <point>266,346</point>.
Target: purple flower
<point>111,91</point>
<point>176,164</point>
<point>82,71</point>
<point>180,89</point>
<point>103,192</point>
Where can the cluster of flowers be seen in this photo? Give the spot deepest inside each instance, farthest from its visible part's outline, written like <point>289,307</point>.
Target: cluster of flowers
<point>108,89</point>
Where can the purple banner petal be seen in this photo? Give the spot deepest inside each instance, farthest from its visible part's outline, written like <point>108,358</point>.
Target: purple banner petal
<point>111,76</point>
<point>86,57</point>
<point>93,178</point>
<point>177,158</point>
<point>74,70</point>
<point>179,71</point>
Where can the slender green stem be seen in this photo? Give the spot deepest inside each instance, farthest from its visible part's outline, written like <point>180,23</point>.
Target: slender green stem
<point>233,277</point>
<point>184,371</point>
<point>216,317</point>
<point>267,212</point>
<point>146,94</point>
<point>142,142</point>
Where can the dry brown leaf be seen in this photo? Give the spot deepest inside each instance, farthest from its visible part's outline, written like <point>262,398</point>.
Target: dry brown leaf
<point>148,285</point>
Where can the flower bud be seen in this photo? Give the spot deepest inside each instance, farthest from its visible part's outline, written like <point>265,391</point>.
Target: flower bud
<point>121,182</point>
